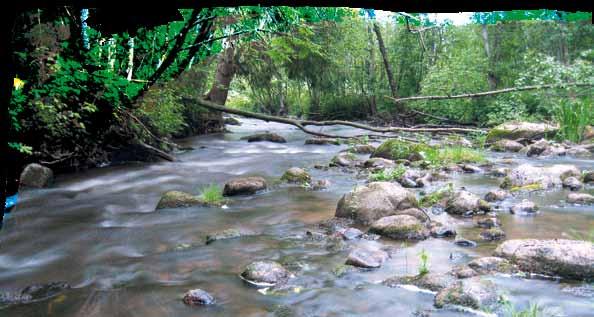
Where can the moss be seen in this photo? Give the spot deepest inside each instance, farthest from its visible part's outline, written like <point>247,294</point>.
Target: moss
<point>506,183</point>
<point>529,187</point>
<point>299,178</point>
<point>177,199</point>
<point>395,149</point>
<point>436,196</point>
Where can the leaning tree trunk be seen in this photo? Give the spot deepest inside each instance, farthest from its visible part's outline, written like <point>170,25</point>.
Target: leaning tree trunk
<point>389,73</point>
<point>226,70</point>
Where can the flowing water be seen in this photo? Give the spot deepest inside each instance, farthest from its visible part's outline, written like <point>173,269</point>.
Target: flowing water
<point>98,231</point>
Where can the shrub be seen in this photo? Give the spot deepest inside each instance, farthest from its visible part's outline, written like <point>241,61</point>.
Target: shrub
<point>574,117</point>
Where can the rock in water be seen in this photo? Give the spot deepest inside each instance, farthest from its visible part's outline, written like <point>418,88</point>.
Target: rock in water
<point>491,264</point>
<point>570,259</point>
<point>198,297</point>
<point>519,130</point>
<point>400,227</point>
<point>572,183</point>
<point>378,163</point>
<point>244,186</point>
<point>488,223</point>
<point>296,175</point>
<point>265,273</point>
<point>322,141</point>
<point>465,243</point>
<point>524,207</point>
<point>366,257</point>
<point>528,176</point>
<point>37,176</point>
<point>368,203</point>
<point>270,137</point>
<point>472,292</point>
<point>431,281</point>
<point>464,201</point>
<point>492,234</point>
<point>507,146</point>
<point>344,159</point>
<point>224,235</point>
<point>496,195</point>
<point>177,199</point>
<point>580,198</point>
<point>232,121</point>
<point>362,149</point>
<point>589,177</point>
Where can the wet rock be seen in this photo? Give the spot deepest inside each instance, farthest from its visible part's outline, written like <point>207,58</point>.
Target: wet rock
<point>519,130</point>
<point>368,203</point>
<point>492,234</point>
<point>377,163</point>
<point>468,168</point>
<point>260,137</point>
<point>431,281</point>
<point>499,172</point>
<point>528,176</point>
<point>496,195</point>
<point>366,257</point>
<point>296,175</point>
<point>463,271</point>
<point>524,207</point>
<point>177,199</point>
<point>560,257</point>
<point>473,292</point>
<point>37,176</point>
<point>265,273</point>
<point>538,148</point>
<point>438,230</point>
<point>572,183</point>
<point>39,292</point>
<point>344,159</point>
<point>225,235</point>
<point>232,121</point>
<point>491,264</point>
<point>198,297</point>
<point>463,201</point>
<point>352,234</point>
<point>407,182</point>
<point>362,149</point>
<point>322,141</point>
<point>507,146</point>
<point>465,243</point>
<point>488,223</point>
<point>244,186</point>
<point>580,198</point>
<point>400,227</point>
<point>588,177</point>
<point>321,184</point>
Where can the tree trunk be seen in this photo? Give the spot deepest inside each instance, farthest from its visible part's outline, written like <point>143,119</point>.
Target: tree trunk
<point>491,78</point>
<point>130,58</point>
<point>371,74</point>
<point>226,69</point>
<point>389,73</point>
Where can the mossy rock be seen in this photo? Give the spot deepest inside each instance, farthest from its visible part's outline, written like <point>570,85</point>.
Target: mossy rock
<point>296,175</point>
<point>177,199</point>
<point>395,149</point>
<point>517,129</point>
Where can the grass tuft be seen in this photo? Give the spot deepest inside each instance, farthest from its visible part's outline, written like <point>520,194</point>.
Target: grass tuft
<point>212,194</point>
<point>388,174</point>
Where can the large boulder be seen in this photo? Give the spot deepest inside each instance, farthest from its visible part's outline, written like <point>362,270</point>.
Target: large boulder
<point>464,201</point>
<point>395,149</point>
<point>507,146</point>
<point>473,292</point>
<point>296,175</point>
<point>571,259</point>
<point>519,130</point>
<point>270,137</point>
<point>532,177</point>
<point>400,227</point>
<point>244,186</point>
<point>36,175</point>
<point>580,198</point>
<point>368,203</point>
<point>177,199</point>
<point>265,273</point>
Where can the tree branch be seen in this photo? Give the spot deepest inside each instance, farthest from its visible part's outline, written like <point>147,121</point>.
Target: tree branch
<point>488,93</point>
<point>301,124</point>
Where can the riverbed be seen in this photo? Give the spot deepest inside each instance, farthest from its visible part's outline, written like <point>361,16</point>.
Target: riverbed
<point>98,230</point>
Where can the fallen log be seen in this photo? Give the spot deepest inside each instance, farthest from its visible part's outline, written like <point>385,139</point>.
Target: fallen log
<point>302,124</point>
<point>489,93</point>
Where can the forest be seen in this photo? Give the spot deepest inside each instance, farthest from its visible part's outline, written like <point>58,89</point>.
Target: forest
<point>300,161</point>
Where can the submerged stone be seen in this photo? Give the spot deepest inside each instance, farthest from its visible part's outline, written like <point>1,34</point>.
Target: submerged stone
<point>177,199</point>
<point>296,175</point>
<point>366,257</point>
<point>265,273</point>
<point>198,297</point>
<point>400,227</point>
<point>270,137</point>
<point>244,186</point>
